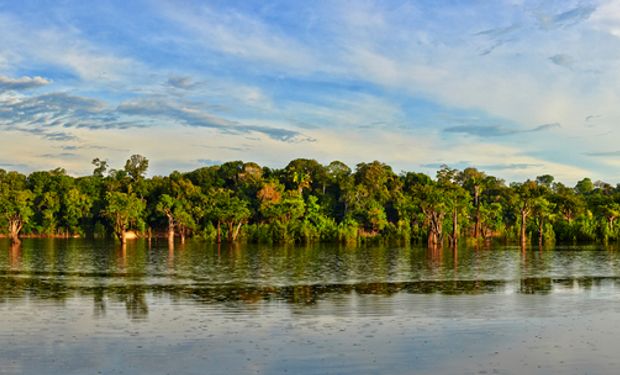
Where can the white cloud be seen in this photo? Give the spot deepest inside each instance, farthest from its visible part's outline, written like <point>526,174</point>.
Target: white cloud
<point>66,48</point>
<point>607,18</point>
<point>22,83</point>
<point>372,47</point>
<point>241,36</point>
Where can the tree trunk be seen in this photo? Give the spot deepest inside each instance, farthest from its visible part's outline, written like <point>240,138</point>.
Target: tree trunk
<point>523,225</point>
<point>170,226</point>
<point>15,226</point>
<point>439,228</point>
<point>119,228</point>
<point>432,239</point>
<point>435,235</point>
<point>237,231</point>
<point>477,205</point>
<point>540,232</point>
<point>219,232</point>
<point>230,231</point>
<point>455,227</point>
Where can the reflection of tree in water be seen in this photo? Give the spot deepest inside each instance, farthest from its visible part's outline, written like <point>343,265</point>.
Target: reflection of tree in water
<point>536,285</point>
<point>302,294</point>
<point>135,301</point>
<point>99,306</point>
<point>134,297</point>
<point>244,278</point>
<point>15,254</point>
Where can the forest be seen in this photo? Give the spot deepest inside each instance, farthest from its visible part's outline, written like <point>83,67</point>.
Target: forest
<point>305,202</point>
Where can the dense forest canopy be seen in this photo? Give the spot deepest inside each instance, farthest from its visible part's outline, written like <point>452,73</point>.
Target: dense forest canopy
<point>305,202</point>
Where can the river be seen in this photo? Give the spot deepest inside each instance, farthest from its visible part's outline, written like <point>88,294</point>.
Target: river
<point>83,307</point>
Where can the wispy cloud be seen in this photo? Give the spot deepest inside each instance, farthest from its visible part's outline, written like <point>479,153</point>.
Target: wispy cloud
<point>22,83</point>
<point>44,115</point>
<point>563,60</point>
<point>510,166</point>
<point>492,167</point>
<point>239,35</point>
<point>60,155</point>
<point>181,82</point>
<point>499,32</point>
<point>14,166</point>
<point>56,136</point>
<point>92,147</point>
<point>496,130</point>
<point>241,148</point>
<point>496,37</point>
<point>40,114</point>
<point>567,18</point>
<point>380,73</point>
<point>190,116</point>
<point>209,162</point>
<point>62,48</point>
<point>603,153</point>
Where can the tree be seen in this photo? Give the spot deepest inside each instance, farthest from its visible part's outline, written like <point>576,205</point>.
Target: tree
<point>456,198</point>
<point>77,206</point>
<point>542,210</point>
<point>15,203</point>
<point>136,166</point>
<point>431,200</point>
<point>339,182</point>
<point>101,166</point>
<point>490,219</point>
<point>584,186</point>
<point>567,202</point>
<point>230,210</point>
<point>524,195</point>
<point>49,206</point>
<point>125,211</point>
<point>473,181</point>
<point>166,206</point>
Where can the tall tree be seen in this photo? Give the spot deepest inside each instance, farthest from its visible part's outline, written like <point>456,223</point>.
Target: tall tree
<point>136,166</point>
<point>125,212</point>
<point>473,181</point>
<point>15,202</point>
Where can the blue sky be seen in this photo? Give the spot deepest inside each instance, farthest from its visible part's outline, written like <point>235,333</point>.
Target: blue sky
<point>516,88</point>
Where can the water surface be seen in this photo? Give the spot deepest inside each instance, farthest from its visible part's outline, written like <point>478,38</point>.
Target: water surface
<point>76,306</point>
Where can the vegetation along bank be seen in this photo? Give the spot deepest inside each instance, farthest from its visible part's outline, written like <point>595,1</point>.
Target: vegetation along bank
<point>305,202</point>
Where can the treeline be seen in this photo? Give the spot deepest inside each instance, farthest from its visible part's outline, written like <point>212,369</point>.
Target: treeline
<point>305,202</point>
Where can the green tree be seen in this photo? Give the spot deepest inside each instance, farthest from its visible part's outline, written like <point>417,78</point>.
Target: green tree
<point>101,166</point>
<point>524,195</point>
<point>77,207</point>
<point>136,166</point>
<point>542,210</point>
<point>473,181</point>
<point>125,212</point>
<point>455,196</point>
<point>230,210</point>
<point>15,202</point>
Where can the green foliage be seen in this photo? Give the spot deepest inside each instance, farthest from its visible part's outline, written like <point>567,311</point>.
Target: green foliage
<point>307,202</point>
<point>124,211</point>
<point>136,166</point>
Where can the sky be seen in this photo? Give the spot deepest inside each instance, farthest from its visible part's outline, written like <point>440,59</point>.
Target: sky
<point>515,88</point>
